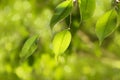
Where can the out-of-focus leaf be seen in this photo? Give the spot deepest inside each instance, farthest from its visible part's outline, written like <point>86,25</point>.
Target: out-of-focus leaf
<point>61,42</point>
<point>106,24</point>
<point>117,6</point>
<point>61,11</point>
<point>118,11</point>
<point>87,8</point>
<point>29,47</point>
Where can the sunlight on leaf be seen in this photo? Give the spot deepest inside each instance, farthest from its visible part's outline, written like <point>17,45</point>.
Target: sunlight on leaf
<point>61,42</point>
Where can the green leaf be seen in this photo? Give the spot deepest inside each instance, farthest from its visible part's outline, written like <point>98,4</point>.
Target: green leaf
<point>118,11</point>
<point>117,7</point>
<point>106,24</point>
<point>61,12</point>
<point>29,47</point>
<point>87,8</point>
<point>61,42</point>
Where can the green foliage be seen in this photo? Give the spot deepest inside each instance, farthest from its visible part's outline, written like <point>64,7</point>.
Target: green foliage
<point>74,42</point>
<point>29,47</point>
<point>61,42</point>
<point>87,8</point>
<point>106,25</point>
<point>61,11</point>
<point>118,11</point>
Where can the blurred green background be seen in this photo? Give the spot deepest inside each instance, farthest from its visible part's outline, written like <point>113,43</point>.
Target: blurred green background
<point>83,60</point>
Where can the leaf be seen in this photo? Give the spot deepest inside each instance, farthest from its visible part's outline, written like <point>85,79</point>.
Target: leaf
<point>106,24</point>
<point>117,7</point>
<point>29,47</point>
<point>118,11</point>
<point>87,8</point>
<point>61,12</point>
<point>61,42</point>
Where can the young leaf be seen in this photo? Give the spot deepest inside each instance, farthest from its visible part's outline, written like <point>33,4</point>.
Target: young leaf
<point>106,24</point>
<point>29,47</point>
<point>61,42</point>
<point>87,8</point>
<point>61,12</point>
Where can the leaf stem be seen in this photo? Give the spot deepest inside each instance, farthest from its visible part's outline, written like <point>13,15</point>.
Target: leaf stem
<point>70,20</point>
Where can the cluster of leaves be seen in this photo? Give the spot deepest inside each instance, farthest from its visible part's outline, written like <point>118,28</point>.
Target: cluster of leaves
<point>105,25</point>
<point>75,27</point>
